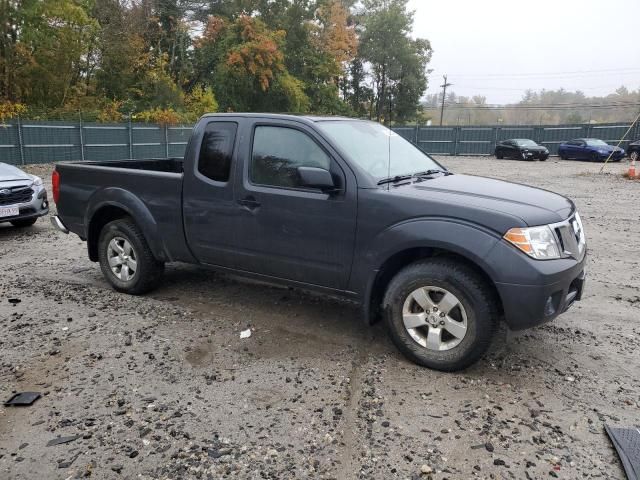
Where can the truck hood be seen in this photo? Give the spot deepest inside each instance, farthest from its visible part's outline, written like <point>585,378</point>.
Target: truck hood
<point>9,173</point>
<point>481,196</point>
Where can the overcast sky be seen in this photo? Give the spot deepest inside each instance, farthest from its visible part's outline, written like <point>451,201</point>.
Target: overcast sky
<point>499,48</point>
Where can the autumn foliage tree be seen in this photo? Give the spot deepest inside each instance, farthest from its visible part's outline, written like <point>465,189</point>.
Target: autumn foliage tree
<point>169,61</point>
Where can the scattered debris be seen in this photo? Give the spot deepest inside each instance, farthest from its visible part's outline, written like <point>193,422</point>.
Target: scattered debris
<point>426,469</point>
<point>23,399</point>
<point>68,463</point>
<point>61,440</point>
<point>245,333</point>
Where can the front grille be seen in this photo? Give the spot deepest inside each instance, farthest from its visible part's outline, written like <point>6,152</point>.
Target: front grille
<point>571,236</point>
<point>15,195</point>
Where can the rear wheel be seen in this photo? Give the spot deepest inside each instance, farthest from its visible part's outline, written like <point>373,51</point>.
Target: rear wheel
<point>24,222</point>
<point>499,155</point>
<point>440,314</point>
<point>594,157</point>
<point>563,156</point>
<point>126,259</point>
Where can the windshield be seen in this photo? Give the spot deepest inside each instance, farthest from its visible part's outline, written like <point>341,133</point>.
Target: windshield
<point>526,143</point>
<point>593,142</point>
<point>369,144</point>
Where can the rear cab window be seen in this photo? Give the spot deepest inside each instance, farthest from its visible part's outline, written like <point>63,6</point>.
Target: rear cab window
<point>216,150</point>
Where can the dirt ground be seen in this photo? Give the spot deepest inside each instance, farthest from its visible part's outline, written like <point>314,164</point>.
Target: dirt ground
<point>163,387</point>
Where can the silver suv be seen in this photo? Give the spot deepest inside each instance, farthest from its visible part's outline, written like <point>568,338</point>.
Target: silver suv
<point>23,197</point>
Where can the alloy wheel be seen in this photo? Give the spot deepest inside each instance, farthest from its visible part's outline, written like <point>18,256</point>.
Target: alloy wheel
<point>122,259</point>
<point>435,318</point>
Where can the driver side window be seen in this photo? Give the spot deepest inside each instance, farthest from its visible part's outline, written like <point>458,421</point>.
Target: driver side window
<point>277,154</point>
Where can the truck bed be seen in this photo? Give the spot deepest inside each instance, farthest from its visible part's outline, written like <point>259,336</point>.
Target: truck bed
<point>169,165</point>
<point>153,187</point>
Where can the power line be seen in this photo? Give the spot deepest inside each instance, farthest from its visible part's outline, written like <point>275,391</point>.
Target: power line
<point>444,95</point>
<point>537,107</point>
<point>527,88</point>
<point>619,71</point>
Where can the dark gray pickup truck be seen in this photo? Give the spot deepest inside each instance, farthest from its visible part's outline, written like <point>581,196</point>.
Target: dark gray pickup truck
<point>340,206</point>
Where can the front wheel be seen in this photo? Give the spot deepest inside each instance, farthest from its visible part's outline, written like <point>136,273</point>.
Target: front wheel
<point>440,314</point>
<point>126,260</point>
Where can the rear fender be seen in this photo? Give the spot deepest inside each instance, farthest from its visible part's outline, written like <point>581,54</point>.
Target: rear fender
<point>135,208</point>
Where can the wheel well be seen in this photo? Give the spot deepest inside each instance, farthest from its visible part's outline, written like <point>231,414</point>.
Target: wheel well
<point>100,218</point>
<point>400,260</point>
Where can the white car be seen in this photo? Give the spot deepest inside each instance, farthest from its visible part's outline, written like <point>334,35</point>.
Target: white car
<point>23,197</point>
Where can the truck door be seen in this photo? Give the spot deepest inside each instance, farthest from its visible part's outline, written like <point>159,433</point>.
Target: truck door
<point>209,209</point>
<point>289,231</point>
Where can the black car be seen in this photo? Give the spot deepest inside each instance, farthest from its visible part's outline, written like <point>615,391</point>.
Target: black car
<point>521,149</point>
<point>633,150</point>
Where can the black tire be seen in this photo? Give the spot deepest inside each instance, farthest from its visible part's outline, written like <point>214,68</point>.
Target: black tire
<point>543,159</point>
<point>499,155</point>
<point>24,222</point>
<point>148,273</point>
<point>563,156</point>
<point>594,157</point>
<point>475,297</point>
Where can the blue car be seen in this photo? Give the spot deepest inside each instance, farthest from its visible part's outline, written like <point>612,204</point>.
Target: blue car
<point>589,149</point>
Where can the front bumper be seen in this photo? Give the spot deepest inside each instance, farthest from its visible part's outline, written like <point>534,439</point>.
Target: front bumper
<point>38,206</point>
<point>615,156</point>
<point>537,291</point>
<point>536,155</point>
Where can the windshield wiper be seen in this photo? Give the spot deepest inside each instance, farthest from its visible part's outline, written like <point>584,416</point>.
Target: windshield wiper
<point>400,178</point>
<point>427,173</point>
<point>397,178</point>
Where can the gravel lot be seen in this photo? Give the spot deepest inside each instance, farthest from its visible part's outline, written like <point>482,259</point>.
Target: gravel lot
<point>162,386</point>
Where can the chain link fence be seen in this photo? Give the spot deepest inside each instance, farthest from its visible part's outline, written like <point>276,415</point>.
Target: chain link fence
<point>25,142</point>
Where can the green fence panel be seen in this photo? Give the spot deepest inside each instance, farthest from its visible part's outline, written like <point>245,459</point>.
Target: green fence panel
<point>105,141</point>
<point>26,141</point>
<point>9,144</point>
<point>437,140</point>
<point>475,141</point>
<point>178,138</point>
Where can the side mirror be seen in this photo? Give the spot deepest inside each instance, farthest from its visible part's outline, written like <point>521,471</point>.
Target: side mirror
<point>319,178</point>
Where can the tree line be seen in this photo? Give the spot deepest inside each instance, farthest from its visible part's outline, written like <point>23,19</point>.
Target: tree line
<point>170,61</point>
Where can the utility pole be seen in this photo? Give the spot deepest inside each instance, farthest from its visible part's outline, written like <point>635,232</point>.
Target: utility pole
<point>444,95</point>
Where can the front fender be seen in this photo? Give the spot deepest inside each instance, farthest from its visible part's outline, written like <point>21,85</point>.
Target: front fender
<point>134,207</point>
<point>468,240</point>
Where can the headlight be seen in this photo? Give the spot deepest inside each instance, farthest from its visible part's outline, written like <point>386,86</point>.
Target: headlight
<point>537,242</point>
<point>37,181</point>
